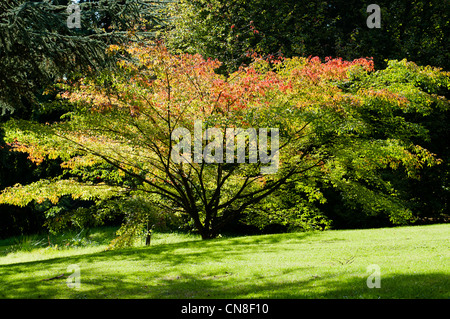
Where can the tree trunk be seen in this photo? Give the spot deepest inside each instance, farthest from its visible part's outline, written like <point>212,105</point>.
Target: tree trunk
<point>148,238</point>
<point>207,234</point>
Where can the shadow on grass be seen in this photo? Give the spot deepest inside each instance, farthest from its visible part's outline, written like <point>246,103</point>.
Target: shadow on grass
<point>168,271</point>
<point>25,279</point>
<point>188,286</point>
<point>429,286</point>
<point>185,251</point>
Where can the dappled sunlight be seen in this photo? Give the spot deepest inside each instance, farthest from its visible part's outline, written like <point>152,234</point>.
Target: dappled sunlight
<point>329,264</point>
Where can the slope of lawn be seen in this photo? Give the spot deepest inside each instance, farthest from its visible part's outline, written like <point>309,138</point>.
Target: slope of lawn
<point>413,263</point>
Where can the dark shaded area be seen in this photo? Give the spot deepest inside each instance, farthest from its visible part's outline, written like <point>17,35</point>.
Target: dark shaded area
<point>417,30</point>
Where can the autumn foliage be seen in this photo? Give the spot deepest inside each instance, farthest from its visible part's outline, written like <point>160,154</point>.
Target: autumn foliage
<point>323,110</point>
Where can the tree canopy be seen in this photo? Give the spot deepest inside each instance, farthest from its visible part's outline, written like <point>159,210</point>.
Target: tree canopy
<point>338,122</point>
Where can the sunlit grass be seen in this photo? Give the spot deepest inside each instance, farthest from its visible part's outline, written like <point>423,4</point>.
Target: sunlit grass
<point>73,243</point>
<point>40,247</point>
<point>413,263</point>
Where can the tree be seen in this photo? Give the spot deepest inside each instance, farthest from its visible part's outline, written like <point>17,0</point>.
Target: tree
<point>425,119</point>
<point>128,119</point>
<point>226,30</point>
<point>38,46</point>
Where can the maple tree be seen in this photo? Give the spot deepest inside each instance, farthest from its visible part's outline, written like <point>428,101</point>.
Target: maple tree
<point>125,119</point>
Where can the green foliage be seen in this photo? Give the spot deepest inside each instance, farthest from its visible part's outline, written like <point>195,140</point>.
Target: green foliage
<point>52,190</point>
<point>142,214</point>
<point>294,206</point>
<point>26,243</point>
<point>64,241</point>
<point>419,119</point>
<point>297,216</point>
<point>416,30</point>
<point>137,212</point>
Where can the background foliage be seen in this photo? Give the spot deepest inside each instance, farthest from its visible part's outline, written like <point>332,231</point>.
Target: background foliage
<point>416,30</point>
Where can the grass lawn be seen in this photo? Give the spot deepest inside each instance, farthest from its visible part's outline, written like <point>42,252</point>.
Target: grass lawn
<point>413,263</point>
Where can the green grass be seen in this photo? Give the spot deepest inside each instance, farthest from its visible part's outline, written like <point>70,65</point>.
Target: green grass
<point>413,261</point>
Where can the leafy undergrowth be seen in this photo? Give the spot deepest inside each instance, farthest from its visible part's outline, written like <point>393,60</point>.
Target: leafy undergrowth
<point>413,263</point>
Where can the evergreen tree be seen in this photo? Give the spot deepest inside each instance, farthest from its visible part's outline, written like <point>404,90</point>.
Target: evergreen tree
<point>39,44</point>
